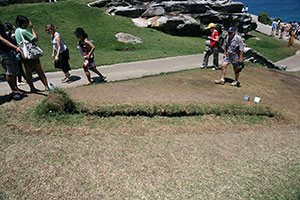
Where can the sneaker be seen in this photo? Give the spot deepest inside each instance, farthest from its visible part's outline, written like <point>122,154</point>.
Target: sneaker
<point>203,67</point>
<point>215,68</point>
<point>235,83</point>
<point>21,83</point>
<point>16,96</point>
<point>221,81</point>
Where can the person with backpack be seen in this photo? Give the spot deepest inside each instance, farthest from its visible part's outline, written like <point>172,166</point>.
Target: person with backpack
<point>87,48</point>
<point>213,47</point>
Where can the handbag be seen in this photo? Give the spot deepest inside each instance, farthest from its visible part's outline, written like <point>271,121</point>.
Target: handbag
<point>30,49</point>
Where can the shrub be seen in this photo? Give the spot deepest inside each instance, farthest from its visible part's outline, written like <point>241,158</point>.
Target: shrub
<point>264,18</point>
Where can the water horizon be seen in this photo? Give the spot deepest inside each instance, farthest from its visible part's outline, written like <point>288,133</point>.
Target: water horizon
<point>288,10</point>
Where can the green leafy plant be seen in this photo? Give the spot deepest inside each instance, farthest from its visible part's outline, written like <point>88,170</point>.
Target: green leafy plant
<point>264,18</point>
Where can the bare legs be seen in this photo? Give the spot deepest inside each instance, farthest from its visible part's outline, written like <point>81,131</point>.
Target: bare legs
<point>88,74</point>
<point>41,74</point>
<point>11,80</point>
<point>67,77</point>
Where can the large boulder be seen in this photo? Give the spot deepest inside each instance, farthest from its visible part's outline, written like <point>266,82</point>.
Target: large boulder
<point>178,25</point>
<point>154,11</point>
<point>128,38</point>
<point>141,22</point>
<point>127,11</point>
<point>258,57</point>
<point>181,16</point>
<point>185,7</point>
<point>233,7</point>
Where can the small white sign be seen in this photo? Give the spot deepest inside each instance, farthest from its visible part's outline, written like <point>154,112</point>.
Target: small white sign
<point>256,99</point>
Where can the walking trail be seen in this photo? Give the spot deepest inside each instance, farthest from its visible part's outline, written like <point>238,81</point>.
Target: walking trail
<point>139,69</point>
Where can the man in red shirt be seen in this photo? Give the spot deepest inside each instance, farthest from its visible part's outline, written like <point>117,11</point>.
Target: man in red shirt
<point>213,47</point>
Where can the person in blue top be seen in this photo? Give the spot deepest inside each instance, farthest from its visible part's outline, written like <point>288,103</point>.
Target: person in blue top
<point>22,23</point>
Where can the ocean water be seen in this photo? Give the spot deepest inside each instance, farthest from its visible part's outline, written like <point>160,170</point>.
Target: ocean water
<point>288,10</point>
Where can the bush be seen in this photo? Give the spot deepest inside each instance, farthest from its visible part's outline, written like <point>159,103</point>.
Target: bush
<point>264,18</point>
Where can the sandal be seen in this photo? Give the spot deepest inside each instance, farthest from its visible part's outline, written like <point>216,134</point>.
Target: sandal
<point>66,80</point>
<point>103,79</point>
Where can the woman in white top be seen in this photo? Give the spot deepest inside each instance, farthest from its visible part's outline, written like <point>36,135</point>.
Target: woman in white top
<point>61,59</point>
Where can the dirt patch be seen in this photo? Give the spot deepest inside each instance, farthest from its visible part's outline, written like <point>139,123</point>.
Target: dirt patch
<point>88,157</point>
<point>279,90</point>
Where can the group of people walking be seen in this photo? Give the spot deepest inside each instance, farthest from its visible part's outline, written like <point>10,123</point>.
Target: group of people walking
<point>282,29</point>
<point>233,53</point>
<point>12,46</point>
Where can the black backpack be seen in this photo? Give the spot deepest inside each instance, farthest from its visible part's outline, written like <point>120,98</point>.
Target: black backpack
<point>221,40</point>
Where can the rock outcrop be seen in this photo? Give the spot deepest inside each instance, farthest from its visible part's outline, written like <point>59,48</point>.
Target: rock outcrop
<point>181,17</point>
<point>255,56</point>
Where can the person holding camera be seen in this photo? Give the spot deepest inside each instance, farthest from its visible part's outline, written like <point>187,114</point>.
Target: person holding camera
<point>233,53</point>
<point>213,47</point>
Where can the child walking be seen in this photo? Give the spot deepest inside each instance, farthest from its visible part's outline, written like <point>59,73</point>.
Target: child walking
<point>87,49</point>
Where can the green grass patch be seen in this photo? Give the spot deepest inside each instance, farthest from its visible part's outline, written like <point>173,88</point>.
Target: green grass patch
<point>272,48</point>
<point>179,110</point>
<point>58,102</point>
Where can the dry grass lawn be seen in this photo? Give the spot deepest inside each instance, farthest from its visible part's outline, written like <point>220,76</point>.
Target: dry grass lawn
<point>201,157</point>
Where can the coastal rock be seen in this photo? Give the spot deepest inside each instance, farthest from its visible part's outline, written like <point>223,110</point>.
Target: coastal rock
<point>141,22</point>
<point>181,17</point>
<point>128,38</point>
<point>181,25</point>
<point>251,53</point>
<point>153,11</point>
<point>127,11</point>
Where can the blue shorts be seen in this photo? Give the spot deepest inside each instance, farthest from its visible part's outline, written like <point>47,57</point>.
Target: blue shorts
<point>235,64</point>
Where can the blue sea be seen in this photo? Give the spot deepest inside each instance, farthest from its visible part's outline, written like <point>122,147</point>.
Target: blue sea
<point>288,10</point>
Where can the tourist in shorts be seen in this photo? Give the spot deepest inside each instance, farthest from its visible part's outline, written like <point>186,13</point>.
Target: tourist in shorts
<point>61,59</point>
<point>11,36</point>
<point>22,23</point>
<point>9,62</point>
<point>233,53</point>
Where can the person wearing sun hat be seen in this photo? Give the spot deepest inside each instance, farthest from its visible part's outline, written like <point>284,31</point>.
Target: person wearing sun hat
<point>213,47</point>
<point>233,53</point>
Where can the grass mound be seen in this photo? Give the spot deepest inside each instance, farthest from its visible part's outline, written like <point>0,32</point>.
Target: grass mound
<point>179,110</point>
<point>58,101</point>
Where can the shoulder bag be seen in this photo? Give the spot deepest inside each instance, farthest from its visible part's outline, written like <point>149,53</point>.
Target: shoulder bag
<point>30,49</point>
